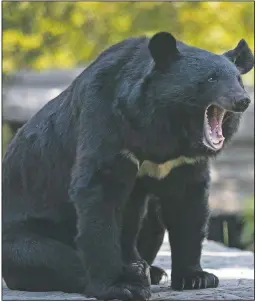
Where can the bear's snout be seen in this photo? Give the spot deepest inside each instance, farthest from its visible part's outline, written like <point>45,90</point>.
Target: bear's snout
<point>234,102</point>
<point>241,104</point>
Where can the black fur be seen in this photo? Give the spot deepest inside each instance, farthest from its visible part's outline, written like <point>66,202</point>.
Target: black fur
<point>75,216</point>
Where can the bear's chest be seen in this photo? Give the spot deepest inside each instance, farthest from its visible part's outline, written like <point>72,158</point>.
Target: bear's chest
<point>159,171</point>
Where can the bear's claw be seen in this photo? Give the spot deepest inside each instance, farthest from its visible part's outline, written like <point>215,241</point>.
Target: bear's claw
<point>156,274</point>
<point>194,280</point>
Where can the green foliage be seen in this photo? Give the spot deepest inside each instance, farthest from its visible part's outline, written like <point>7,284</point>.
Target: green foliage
<point>7,135</point>
<point>64,34</point>
<point>248,232</point>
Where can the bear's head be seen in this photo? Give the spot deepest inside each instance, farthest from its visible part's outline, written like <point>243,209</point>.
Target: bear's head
<point>200,94</point>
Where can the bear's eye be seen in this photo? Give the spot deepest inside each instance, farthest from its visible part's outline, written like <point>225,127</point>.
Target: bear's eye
<point>212,78</point>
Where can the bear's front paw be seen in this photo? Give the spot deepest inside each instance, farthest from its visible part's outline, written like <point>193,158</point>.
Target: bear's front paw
<point>137,272</point>
<point>194,280</point>
<point>133,284</point>
<point>123,291</point>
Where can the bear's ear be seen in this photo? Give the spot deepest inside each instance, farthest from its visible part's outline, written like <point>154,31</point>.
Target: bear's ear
<point>162,47</point>
<point>241,56</point>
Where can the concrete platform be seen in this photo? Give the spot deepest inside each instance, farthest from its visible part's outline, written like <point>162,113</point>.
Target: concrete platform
<point>235,269</point>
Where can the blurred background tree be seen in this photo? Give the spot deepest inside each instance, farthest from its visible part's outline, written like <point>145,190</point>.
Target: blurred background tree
<point>39,35</point>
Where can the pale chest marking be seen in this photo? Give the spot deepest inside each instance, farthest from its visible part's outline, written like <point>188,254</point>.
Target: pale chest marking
<point>159,171</point>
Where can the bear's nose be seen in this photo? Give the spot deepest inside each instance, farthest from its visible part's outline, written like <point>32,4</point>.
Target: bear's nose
<point>241,104</point>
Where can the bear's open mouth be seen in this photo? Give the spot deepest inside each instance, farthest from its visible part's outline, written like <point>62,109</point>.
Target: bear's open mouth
<point>213,118</point>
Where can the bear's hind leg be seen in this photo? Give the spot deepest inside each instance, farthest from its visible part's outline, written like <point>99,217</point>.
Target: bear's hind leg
<point>35,263</point>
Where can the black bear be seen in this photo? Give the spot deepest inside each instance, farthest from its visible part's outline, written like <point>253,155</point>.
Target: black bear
<point>91,182</point>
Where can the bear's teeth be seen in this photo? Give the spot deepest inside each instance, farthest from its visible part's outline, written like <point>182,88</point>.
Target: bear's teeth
<point>222,115</point>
